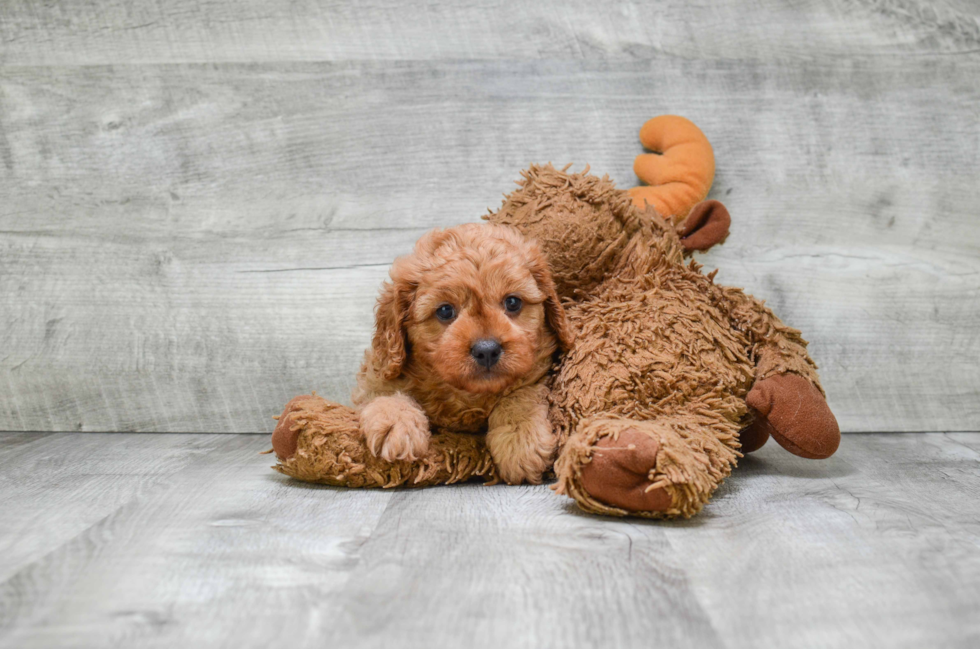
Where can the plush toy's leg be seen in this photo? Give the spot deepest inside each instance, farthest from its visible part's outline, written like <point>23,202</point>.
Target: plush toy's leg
<point>786,400</point>
<point>320,441</point>
<point>662,468</point>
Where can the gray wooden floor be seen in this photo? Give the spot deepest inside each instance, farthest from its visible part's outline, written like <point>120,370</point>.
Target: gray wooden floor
<point>190,540</point>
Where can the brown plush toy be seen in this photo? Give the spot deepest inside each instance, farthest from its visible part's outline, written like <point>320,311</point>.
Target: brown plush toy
<point>669,376</point>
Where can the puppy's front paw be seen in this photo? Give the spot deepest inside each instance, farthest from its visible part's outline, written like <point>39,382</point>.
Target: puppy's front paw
<point>522,452</point>
<point>395,428</point>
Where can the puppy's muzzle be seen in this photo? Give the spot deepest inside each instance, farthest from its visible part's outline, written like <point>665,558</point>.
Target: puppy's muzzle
<point>486,352</point>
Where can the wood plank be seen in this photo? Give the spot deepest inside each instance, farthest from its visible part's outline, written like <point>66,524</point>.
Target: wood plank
<point>12,444</point>
<point>135,305</point>
<point>307,147</point>
<point>218,553</point>
<point>515,566</point>
<point>880,541</point>
<point>87,33</point>
<point>57,486</point>
<point>792,552</point>
<point>969,440</point>
<point>878,546</point>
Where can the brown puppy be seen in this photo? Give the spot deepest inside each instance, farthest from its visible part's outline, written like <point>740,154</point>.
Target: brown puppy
<point>465,332</point>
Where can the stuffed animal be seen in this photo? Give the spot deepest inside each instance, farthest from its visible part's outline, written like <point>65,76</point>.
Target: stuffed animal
<point>670,377</point>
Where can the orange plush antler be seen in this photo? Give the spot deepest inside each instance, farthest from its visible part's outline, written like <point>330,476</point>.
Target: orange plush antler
<point>679,173</point>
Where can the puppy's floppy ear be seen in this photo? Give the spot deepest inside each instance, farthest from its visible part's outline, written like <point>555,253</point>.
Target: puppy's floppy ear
<point>390,344</point>
<point>553,311</point>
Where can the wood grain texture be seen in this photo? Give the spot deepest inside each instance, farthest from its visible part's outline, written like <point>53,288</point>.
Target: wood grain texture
<point>164,540</point>
<point>91,476</point>
<point>184,247</point>
<point>215,552</point>
<point>99,32</point>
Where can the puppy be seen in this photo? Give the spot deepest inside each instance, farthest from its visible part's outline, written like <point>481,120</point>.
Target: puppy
<point>465,332</point>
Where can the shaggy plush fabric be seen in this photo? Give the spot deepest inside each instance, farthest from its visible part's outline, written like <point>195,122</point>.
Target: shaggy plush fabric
<point>660,351</point>
<point>648,403</point>
<point>320,441</point>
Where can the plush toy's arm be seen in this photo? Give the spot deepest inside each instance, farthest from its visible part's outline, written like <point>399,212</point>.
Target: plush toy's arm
<point>320,441</point>
<point>787,400</point>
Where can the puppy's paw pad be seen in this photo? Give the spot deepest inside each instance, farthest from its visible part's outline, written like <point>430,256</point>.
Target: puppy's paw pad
<point>395,429</point>
<point>405,441</point>
<point>514,473</point>
<point>521,455</point>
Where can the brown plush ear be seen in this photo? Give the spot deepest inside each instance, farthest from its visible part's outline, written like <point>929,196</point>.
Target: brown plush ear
<point>390,344</point>
<point>553,311</point>
<point>705,226</point>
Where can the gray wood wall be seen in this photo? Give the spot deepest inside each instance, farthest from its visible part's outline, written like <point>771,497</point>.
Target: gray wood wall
<point>199,199</point>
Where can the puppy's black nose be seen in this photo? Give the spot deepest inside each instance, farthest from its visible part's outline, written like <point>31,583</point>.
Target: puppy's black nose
<point>486,352</point>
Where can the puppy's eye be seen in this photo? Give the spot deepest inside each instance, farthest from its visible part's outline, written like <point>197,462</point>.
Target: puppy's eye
<point>512,304</point>
<point>446,312</point>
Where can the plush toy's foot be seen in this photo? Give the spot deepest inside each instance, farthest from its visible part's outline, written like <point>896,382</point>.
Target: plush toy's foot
<point>663,468</point>
<point>793,411</point>
<point>286,436</point>
<point>619,473</point>
<point>320,441</point>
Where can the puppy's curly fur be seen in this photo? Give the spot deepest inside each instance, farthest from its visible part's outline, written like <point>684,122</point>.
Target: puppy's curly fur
<point>420,374</point>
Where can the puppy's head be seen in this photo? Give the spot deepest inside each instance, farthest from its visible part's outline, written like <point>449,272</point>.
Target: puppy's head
<point>474,305</point>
